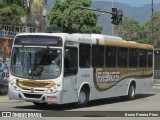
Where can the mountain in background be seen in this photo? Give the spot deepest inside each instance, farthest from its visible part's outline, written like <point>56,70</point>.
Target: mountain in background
<point>132,2</point>
<point>141,13</point>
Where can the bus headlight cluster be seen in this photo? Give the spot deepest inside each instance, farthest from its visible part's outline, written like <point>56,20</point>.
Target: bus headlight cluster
<point>13,85</point>
<point>52,89</point>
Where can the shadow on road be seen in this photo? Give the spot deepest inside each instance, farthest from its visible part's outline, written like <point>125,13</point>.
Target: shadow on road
<point>54,107</point>
<point>116,100</point>
<point>91,103</point>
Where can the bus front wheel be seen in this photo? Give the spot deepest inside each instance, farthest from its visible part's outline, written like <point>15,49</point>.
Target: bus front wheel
<point>131,92</point>
<point>83,98</point>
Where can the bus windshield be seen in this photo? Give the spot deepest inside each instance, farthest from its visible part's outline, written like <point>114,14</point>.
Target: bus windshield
<point>36,62</point>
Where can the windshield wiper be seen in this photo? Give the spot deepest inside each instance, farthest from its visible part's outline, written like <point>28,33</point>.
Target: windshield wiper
<point>37,70</point>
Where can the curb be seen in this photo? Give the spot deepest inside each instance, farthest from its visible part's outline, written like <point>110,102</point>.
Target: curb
<point>10,101</point>
<point>156,84</point>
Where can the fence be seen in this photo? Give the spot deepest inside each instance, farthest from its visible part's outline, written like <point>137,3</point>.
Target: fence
<point>156,74</point>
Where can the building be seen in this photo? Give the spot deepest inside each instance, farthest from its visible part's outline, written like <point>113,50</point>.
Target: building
<point>34,21</point>
<point>157,63</point>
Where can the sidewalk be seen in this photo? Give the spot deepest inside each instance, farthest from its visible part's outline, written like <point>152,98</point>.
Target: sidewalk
<point>156,86</point>
<point>5,99</point>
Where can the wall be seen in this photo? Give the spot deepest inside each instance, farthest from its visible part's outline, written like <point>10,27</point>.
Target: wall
<point>37,14</point>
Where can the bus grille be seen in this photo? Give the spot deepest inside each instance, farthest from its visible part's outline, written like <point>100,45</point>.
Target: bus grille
<point>32,95</point>
<point>28,84</point>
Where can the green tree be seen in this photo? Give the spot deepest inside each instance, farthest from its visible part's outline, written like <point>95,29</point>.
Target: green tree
<point>130,30</point>
<point>83,21</point>
<point>156,28</point>
<point>11,11</point>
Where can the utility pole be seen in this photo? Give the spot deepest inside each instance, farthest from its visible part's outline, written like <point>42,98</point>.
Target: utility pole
<point>153,40</point>
<point>44,14</point>
<point>112,24</point>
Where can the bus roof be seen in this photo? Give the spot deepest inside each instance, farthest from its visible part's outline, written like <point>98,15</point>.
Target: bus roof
<point>96,39</point>
<point>108,40</point>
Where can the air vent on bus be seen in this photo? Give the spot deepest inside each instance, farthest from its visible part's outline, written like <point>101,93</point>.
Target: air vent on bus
<point>32,95</point>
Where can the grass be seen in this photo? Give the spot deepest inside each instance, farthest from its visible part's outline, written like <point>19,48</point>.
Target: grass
<point>156,81</point>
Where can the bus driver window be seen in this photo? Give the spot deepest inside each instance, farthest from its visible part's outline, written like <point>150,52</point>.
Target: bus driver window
<point>70,61</point>
<point>66,61</point>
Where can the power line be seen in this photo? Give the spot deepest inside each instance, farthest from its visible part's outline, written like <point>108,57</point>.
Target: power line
<point>135,4</point>
<point>140,15</point>
<point>138,4</point>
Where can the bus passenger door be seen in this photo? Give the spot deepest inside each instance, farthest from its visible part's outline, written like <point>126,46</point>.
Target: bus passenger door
<point>70,75</point>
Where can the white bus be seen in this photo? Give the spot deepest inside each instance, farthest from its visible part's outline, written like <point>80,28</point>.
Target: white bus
<point>65,68</point>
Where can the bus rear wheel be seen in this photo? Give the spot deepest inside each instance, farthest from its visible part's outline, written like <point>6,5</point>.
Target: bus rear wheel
<point>83,98</point>
<point>131,92</point>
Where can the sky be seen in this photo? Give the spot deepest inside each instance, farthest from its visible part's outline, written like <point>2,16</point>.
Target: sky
<point>134,2</point>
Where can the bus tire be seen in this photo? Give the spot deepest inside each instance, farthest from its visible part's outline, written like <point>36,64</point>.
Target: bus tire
<point>83,97</point>
<point>40,104</point>
<point>131,92</point>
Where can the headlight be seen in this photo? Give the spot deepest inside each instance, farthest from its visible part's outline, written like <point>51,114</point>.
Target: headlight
<point>13,85</point>
<point>52,89</point>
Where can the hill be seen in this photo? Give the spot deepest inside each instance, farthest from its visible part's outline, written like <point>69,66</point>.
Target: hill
<point>141,13</point>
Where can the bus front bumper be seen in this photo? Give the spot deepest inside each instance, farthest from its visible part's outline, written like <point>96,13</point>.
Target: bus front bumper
<point>35,97</point>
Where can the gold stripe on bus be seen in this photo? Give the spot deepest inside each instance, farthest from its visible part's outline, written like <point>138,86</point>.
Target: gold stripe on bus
<point>105,78</point>
<point>120,43</point>
<point>102,42</point>
<point>28,84</point>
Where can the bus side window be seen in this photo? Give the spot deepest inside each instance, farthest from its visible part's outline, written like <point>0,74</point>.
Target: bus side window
<point>142,58</point>
<point>122,57</point>
<point>111,56</point>
<point>150,58</point>
<point>97,56</point>
<point>70,61</point>
<point>84,55</point>
<point>133,57</point>
<point>66,63</point>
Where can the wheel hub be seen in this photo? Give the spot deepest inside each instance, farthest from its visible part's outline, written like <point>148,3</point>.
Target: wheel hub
<point>82,97</point>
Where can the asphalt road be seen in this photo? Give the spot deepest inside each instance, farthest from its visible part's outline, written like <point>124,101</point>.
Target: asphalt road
<point>112,108</point>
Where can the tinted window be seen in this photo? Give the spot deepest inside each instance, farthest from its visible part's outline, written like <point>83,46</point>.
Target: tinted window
<point>110,54</point>
<point>97,56</point>
<point>142,58</point>
<point>71,61</point>
<point>122,57</point>
<point>84,55</point>
<point>150,58</point>
<point>133,57</point>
